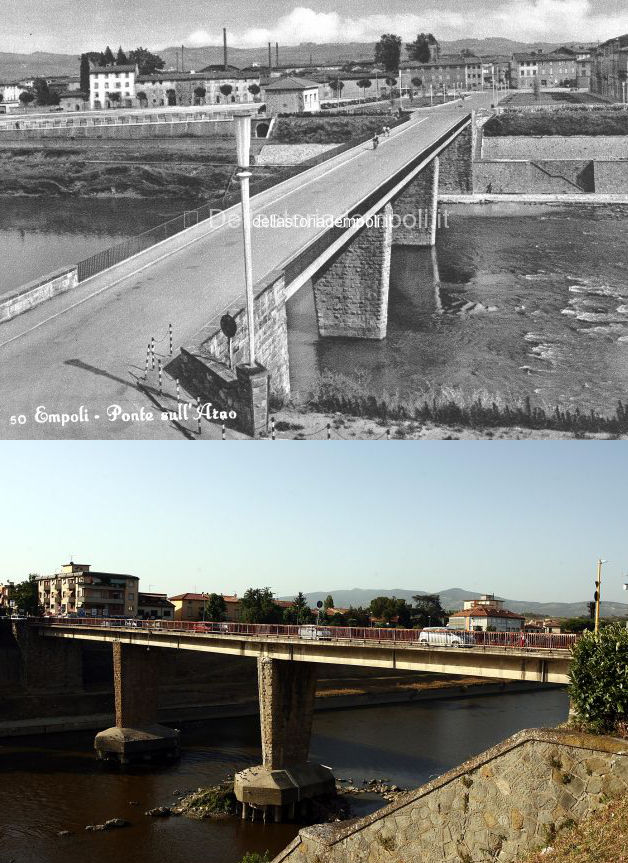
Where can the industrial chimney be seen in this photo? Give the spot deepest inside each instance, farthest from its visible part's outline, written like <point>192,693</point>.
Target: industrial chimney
<point>270,58</point>
<point>224,46</point>
<point>277,54</point>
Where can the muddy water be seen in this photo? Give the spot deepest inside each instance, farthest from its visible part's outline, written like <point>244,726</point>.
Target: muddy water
<point>52,784</point>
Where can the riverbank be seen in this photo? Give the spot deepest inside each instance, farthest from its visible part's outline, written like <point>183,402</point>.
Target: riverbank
<point>199,175</point>
<point>332,695</point>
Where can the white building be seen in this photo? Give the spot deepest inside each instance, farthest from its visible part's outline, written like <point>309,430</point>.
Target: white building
<point>112,86</point>
<point>486,613</point>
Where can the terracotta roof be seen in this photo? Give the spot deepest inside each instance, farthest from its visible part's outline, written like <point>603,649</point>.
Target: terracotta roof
<point>292,83</point>
<point>199,597</point>
<point>487,611</point>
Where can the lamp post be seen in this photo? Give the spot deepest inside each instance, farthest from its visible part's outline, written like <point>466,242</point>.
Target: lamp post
<point>598,587</point>
<point>243,143</point>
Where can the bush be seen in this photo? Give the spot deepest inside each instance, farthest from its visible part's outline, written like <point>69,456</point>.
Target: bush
<point>255,857</point>
<point>599,679</point>
<point>567,122</point>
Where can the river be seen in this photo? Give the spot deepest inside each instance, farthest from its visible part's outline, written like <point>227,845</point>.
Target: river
<point>55,783</point>
<point>516,300</point>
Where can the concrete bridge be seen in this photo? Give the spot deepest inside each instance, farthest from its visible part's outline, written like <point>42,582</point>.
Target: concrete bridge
<point>333,225</point>
<point>286,659</point>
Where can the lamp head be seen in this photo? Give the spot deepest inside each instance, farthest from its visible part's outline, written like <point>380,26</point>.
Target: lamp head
<point>243,139</point>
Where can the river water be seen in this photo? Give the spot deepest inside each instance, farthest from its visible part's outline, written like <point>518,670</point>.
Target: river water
<point>516,300</point>
<point>52,784</point>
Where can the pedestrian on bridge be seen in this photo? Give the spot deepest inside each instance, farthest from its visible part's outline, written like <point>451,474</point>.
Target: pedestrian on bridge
<point>375,142</point>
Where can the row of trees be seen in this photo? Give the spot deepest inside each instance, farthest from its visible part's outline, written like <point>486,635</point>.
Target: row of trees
<point>388,50</point>
<point>258,605</point>
<point>23,597</point>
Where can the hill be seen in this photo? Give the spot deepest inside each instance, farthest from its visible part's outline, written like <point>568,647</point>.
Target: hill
<point>453,598</point>
<point>17,66</point>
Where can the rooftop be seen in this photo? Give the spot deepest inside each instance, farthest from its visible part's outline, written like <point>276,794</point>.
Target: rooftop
<point>109,70</point>
<point>292,83</point>
<point>199,597</point>
<point>487,611</point>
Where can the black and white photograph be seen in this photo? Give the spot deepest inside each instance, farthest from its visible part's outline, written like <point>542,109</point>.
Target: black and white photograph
<point>313,222</point>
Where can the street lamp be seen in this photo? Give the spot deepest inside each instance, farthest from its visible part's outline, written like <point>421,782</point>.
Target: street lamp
<point>243,144</point>
<point>598,586</point>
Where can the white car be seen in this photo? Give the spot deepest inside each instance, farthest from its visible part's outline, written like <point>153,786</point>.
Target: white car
<point>440,636</point>
<point>317,633</point>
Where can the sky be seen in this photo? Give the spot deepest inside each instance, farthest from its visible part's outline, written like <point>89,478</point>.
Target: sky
<point>74,26</point>
<point>526,520</point>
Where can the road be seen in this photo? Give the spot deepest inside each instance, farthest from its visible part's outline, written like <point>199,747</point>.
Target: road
<point>87,348</point>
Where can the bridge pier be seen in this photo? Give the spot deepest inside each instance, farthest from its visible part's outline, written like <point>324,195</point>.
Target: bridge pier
<point>286,777</point>
<point>416,209</point>
<point>351,291</point>
<point>136,735</point>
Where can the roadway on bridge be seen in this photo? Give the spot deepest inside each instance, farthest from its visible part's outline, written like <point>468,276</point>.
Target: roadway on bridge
<point>87,347</point>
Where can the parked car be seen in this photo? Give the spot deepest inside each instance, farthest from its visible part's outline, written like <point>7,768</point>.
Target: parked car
<point>440,636</point>
<point>317,633</point>
<point>210,627</point>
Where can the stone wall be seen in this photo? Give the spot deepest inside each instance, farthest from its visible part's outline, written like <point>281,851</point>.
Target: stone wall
<point>497,806</point>
<point>415,207</point>
<point>36,292</point>
<point>456,165</point>
<point>529,177</point>
<point>611,177</point>
<point>537,147</point>
<point>351,290</point>
<point>286,697</point>
<point>127,131</point>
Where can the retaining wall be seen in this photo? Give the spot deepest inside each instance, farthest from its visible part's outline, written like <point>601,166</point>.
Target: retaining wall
<point>126,131</point>
<point>36,292</point>
<point>498,805</point>
<point>542,147</point>
<point>558,176</point>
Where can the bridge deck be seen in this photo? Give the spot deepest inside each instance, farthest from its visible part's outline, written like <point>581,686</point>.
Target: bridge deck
<point>506,663</point>
<point>81,347</point>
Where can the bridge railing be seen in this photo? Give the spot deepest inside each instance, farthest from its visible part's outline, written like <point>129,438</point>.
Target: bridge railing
<point>316,632</point>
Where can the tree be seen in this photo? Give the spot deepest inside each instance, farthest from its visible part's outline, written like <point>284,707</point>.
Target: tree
<point>109,58</point>
<point>226,90</point>
<point>417,82</point>
<point>1,97</point>
<point>113,97</point>
<point>24,595</point>
<point>299,612</point>
<point>364,84</point>
<point>386,608</point>
<point>391,83</point>
<point>26,97</point>
<point>146,62</point>
<point>84,73</point>
<point>142,97</point>
<point>258,606</point>
<point>336,87</point>
<point>597,689</point>
<point>254,90</point>
<point>215,607</point>
<point>171,95</point>
<point>200,93</point>
<point>42,91</point>
<point>357,616</point>
<point>328,602</point>
<point>421,49</point>
<point>121,58</point>
<point>388,52</point>
<point>428,610</point>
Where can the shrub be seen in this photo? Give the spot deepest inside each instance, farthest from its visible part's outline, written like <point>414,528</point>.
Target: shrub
<point>255,857</point>
<point>567,122</point>
<point>599,679</point>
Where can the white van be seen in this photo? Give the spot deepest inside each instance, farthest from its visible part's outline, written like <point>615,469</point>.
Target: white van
<point>440,636</point>
<point>319,633</point>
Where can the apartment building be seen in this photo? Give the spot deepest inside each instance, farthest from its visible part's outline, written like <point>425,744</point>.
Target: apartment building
<point>557,68</point>
<point>112,86</point>
<point>486,613</point>
<point>609,69</point>
<point>6,591</point>
<point>190,606</point>
<point>180,88</point>
<point>77,590</point>
<point>154,606</point>
<point>449,72</point>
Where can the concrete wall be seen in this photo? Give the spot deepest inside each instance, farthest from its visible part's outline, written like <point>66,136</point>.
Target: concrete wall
<point>498,805</point>
<point>555,147</point>
<point>550,176</point>
<point>42,289</point>
<point>126,131</point>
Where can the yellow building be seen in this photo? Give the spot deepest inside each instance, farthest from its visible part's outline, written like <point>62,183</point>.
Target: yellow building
<point>189,606</point>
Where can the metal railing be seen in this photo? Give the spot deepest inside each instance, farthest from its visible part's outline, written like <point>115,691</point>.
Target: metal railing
<point>134,245</point>
<point>309,632</point>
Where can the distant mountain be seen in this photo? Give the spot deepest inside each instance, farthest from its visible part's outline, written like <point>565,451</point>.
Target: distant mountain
<point>16,66</point>
<point>453,598</point>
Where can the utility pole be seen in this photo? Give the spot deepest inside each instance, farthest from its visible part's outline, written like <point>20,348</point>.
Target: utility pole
<point>598,587</point>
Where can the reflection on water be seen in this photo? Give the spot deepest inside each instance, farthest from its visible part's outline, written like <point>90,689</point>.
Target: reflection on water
<point>514,301</point>
<point>53,784</point>
<point>40,235</point>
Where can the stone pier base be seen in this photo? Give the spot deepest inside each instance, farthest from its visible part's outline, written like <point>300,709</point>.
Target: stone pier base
<point>126,745</point>
<point>283,789</point>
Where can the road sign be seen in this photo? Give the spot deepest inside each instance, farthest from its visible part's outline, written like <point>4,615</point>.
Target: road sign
<point>319,604</point>
<point>228,326</point>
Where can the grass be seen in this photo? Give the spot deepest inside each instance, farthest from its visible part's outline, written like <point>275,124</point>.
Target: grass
<point>568,122</point>
<point>328,130</point>
<point>354,396</point>
<point>217,800</point>
<point>600,838</point>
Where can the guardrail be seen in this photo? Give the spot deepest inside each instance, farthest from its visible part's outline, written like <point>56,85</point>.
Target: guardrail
<point>315,632</point>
